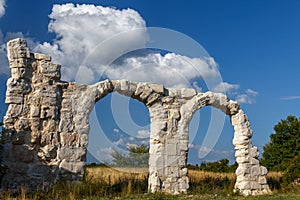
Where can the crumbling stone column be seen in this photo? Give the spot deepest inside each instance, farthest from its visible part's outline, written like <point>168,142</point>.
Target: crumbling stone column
<point>251,177</point>
<point>46,125</point>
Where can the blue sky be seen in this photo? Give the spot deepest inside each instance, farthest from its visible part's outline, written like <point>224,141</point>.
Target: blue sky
<point>255,44</point>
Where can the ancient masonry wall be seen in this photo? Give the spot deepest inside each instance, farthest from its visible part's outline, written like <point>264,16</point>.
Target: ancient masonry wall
<point>46,127</point>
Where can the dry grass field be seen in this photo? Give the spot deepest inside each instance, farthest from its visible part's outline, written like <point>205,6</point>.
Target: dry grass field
<point>131,183</point>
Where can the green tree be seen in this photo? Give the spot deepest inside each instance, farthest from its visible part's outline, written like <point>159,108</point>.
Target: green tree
<point>138,157</point>
<point>218,166</point>
<point>284,145</point>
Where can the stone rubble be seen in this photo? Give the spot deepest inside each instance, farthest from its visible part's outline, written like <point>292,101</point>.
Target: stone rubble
<point>46,127</point>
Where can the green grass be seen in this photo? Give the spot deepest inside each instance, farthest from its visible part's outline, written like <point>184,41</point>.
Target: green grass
<point>107,183</point>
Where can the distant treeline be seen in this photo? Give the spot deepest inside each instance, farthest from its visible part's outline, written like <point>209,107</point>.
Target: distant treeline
<point>218,166</point>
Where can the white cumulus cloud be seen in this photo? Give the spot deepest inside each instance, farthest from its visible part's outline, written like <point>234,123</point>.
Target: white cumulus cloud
<point>80,29</point>
<point>89,38</point>
<point>225,87</point>
<point>249,97</point>
<point>171,70</point>
<point>2,7</point>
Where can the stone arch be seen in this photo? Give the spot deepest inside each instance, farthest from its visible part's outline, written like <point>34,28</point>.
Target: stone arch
<point>47,127</point>
<point>251,177</point>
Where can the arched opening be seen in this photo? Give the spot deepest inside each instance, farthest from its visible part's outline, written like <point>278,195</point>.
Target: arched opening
<point>206,144</point>
<point>118,123</point>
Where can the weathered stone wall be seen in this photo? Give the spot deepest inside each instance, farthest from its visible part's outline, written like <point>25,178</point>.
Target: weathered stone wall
<point>46,127</point>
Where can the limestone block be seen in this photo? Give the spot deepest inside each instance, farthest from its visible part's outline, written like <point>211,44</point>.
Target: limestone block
<point>172,171</point>
<point>220,101</point>
<point>157,126</point>
<point>49,112</point>
<point>233,107</point>
<point>72,154</point>
<point>49,69</point>
<point>255,185</point>
<point>245,159</point>
<point>74,167</point>
<point>104,87</point>
<point>66,102</point>
<point>35,124</point>
<point>17,86</point>
<point>84,139</point>
<point>50,101</point>
<point>46,138</point>
<point>50,125</point>
<point>39,56</point>
<point>241,140</point>
<point>262,180</point>
<point>34,111</point>
<point>69,139</point>
<point>171,149</point>
<point>17,48</point>
<point>157,88</point>
<point>127,88</point>
<point>35,137</point>
<point>21,72</point>
<point>183,145</point>
<point>242,125</point>
<point>263,171</point>
<point>239,118</point>
<point>167,99</point>
<point>14,110</point>
<point>14,99</point>
<point>183,184</point>
<point>19,63</point>
<point>254,152</point>
<point>172,161</point>
<point>187,93</point>
<point>65,124</point>
<point>244,185</point>
<point>139,89</point>
<point>174,114</point>
<point>22,125</point>
<point>145,93</point>
<point>241,152</point>
<point>154,182</point>
<point>47,152</point>
<point>255,170</point>
<point>156,148</point>
<point>46,90</point>
<point>182,160</point>
<point>173,92</point>
<point>154,97</point>
<point>242,171</point>
<point>246,132</point>
<point>158,113</point>
<point>254,161</point>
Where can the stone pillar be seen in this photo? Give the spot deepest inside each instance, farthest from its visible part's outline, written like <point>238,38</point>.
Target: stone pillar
<point>30,137</point>
<point>169,140</point>
<point>251,177</point>
<point>46,125</point>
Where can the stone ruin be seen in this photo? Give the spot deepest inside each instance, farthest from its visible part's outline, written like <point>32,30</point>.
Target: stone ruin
<point>46,127</point>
